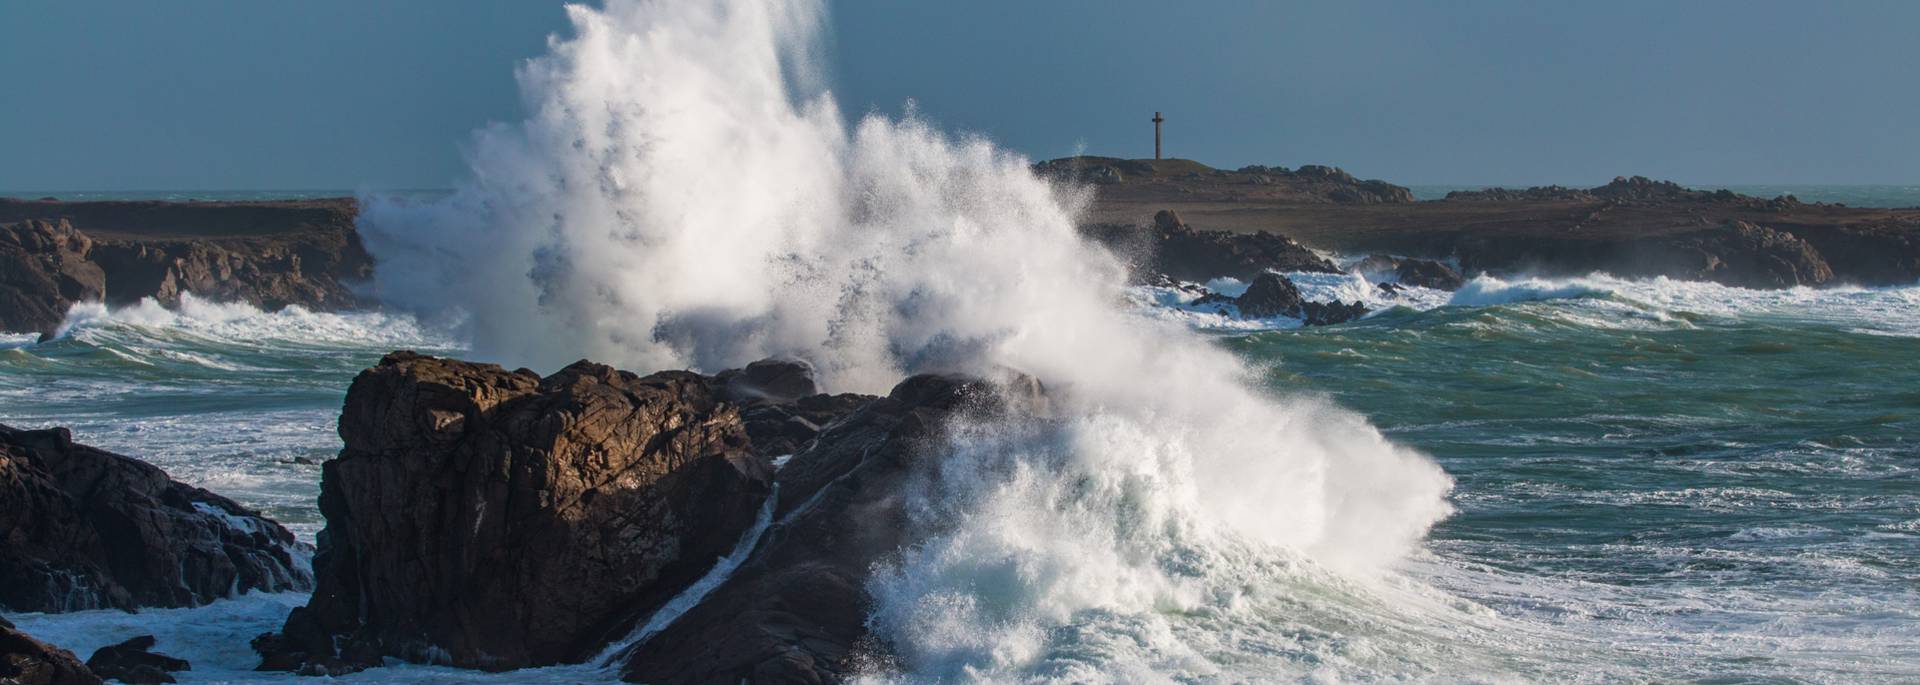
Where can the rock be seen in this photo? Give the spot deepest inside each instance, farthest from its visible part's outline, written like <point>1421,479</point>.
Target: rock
<point>132,662</point>
<point>1428,274</point>
<point>45,267</point>
<point>269,254</point>
<point>1739,254</point>
<point>767,380</point>
<point>491,519</point>
<point>1269,295</point>
<point>89,529</point>
<point>1329,313</point>
<point>26,661</point>
<point>1174,250</point>
<point>795,610</point>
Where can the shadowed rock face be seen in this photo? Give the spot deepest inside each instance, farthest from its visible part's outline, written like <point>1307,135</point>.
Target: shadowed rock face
<point>26,661</point>
<point>268,254</point>
<point>134,661</point>
<point>1173,248</point>
<point>796,609</point>
<point>88,529</point>
<point>494,519</point>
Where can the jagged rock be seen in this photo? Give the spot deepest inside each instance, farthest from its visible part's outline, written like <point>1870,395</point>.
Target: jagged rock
<point>1175,250</point>
<point>1424,273</point>
<point>1741,254</point>
<point>1269,295</point>
<point>134,662</point>
<point>88,529</point>
<point>496,520</point>
<point>269,254</point>
<point>26,661</point>
<point>1329,313</point>
<point>45,267</point>
<point>795,610</point>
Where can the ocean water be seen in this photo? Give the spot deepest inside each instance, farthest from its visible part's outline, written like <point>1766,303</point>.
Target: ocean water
<point>1584,480</point>
<point>1654,480</point>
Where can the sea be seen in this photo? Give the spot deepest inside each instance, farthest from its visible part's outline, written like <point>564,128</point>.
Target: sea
<point>1528,480</point>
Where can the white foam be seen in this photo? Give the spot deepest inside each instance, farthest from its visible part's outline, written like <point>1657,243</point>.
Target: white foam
<point>677,199</point>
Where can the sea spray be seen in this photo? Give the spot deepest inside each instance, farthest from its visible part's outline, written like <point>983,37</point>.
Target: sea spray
<point>677,198</point>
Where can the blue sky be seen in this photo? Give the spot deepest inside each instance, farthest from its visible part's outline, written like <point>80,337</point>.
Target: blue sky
<point>199,94</point>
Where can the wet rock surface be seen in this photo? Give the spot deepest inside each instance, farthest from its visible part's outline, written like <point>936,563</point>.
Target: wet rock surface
<point>796,609</point>
<point>89,529</point>
<point>134,662</point>
<point>27,661</point>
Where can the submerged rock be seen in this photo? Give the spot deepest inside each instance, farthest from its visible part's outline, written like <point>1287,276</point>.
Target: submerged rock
<point>26,661</point>
<point>492,519</point>
<point>133,662</point>
<point>89,529</point>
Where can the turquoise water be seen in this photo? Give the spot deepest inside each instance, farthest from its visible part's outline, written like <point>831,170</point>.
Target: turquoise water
<point>1654,480</point>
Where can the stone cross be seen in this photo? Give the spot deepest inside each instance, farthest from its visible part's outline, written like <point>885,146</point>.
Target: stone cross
<point>1156,134</point>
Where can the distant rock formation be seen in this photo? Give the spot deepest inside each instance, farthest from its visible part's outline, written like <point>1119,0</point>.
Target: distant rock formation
<point>1198,182</point>
<point>269,254</point>
<point>1424,273</point>
<point>1273,295</point>
<point>1172,248</point>
<point>493,519</point>
<point>89,529</point>
<point>26,661</point>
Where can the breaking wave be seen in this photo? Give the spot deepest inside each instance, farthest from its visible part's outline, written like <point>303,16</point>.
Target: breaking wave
<point>683,195</point>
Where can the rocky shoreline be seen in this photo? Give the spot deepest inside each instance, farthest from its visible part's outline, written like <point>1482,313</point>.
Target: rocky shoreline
<point>1237,224</point>
<point>495,520</point>
<point>269,254</point>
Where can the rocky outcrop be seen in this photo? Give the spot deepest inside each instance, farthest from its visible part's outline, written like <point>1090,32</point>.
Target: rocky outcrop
<point>1741,254</point>
<point>1424,273</point>
<point>88,529</point>
<point>1191,180</point>
<point>269,254</point>
<point>1172,248</point>
<point>782,409</point>
<point>45,267</point>
<point>134,662</point>
<point>1272,295</point>
<point>26,661</point>
<point>493,519</point>
<point>795,611</point>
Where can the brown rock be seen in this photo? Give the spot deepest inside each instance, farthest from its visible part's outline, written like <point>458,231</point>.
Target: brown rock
<point>492,519</point>
<point>26,661</point>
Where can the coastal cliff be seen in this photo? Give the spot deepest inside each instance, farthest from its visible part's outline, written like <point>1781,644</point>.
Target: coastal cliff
<point>268,254</point>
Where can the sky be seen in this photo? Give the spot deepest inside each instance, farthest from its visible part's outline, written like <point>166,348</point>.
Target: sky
<point>242,94</point>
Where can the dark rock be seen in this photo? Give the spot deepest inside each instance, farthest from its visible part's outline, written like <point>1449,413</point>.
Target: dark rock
<point>1269,295</point>
<point>89,529</point>
<point>1175,250</point>
<point>1739,254</point>
<point>26,661</point>
<point>767,380</point>
<point>1329,313</point>
<point>1428,274</point>
<point>492,519</point>
<point>797,607</point>
<point>133,662</point>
